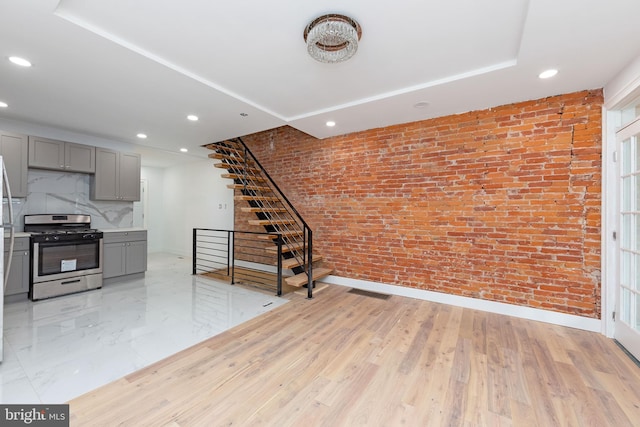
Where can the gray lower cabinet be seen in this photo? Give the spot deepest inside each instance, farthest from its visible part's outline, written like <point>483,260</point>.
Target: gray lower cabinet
<point>18,282</point>
<point>51,154</point>
<point>14,149</point>
<point>117,176</point>
<point>125,253</point>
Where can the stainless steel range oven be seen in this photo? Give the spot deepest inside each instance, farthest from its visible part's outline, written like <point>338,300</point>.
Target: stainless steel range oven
<point>66,255</point>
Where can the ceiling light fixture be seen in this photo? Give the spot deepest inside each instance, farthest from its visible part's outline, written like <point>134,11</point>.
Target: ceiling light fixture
<point>3,104</point>
<point>332,38</point>
<point>330,123</point>
<point>184,150</point>
<point>20,61</point>
<point>547,74</point>
<point>142,136</point>
<point>192,117</point>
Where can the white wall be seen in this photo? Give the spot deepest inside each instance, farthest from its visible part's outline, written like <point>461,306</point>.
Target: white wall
<point>154,214</point>
<point>624,87</point>
<point>194,196</point>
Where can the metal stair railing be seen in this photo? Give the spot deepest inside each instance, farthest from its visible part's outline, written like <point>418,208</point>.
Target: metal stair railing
<point>221,253</point>
<point>303,255</point>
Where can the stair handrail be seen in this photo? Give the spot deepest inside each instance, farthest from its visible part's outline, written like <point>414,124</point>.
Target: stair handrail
<point>307,237</point>
<point>271,180</point>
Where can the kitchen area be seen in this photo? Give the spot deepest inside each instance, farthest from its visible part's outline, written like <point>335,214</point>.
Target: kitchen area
<point>93,293</point>
<point>67,226</point>
<point>72,207</point>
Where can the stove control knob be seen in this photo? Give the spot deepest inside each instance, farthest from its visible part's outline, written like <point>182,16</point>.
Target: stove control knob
<point>56,237</point>
<point>88,236</point>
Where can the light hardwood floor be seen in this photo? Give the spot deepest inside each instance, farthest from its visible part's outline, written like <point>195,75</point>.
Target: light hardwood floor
<point>344,359</point>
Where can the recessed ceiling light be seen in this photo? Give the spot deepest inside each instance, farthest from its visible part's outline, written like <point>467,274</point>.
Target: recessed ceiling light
<point>141,136</point>
<point>184,150</point>
<point>421,104</point>
<point>20,61</point>
<point>3,104</point>
<point>192,117</point>
<point>330,123</point>
<point>548,73</point>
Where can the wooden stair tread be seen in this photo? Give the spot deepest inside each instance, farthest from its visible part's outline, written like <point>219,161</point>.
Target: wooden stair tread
<point>286,247</point>
<point>283,233</point>
<point>221,156</point>
<point>294,262</point>
<point>249,187</point>
<point>245,177</point>
<point>225,150</point>
<point>272,221</point>
<point>236,167</point>
<point>258,198</point>
<point>223,145</point>
<point>264,209</point>
<point>302,278</point>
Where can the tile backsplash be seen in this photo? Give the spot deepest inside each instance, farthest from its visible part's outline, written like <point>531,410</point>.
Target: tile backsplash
<point>53,192</point>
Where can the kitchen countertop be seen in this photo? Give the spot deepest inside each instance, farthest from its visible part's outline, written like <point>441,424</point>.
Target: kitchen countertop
<point>17,234</point>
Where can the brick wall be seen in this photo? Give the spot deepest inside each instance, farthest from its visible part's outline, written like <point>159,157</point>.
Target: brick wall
<point>501,204</point>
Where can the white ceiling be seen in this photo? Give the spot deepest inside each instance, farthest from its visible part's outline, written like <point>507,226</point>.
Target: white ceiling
<point>112,69</point>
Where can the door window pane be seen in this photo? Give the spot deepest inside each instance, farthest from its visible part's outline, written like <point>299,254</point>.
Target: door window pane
<point>624,305</point>
<point>635,313</point>
<point>635,272</point>
<point>625,268</point>
<point>625,156</point>
<point>635,201</point>
<point>630,113</point>
<point>626,194</point>
<point>626,231</point>
<point>635,154</point>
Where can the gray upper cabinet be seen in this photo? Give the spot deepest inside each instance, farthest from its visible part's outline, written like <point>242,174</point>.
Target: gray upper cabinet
<point>47,153</point>
<point>13,149</point>
<point>117,176</point>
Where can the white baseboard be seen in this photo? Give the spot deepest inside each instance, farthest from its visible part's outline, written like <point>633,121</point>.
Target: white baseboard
<point>570,320</point>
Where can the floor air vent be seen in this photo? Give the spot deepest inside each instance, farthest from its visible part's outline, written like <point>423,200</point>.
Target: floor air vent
<point>369,294</point>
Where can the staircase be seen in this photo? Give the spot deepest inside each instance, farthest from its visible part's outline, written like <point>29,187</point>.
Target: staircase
<point>272,210</point>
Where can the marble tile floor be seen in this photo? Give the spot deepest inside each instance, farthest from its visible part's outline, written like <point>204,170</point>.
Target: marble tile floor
<point>57,349</point>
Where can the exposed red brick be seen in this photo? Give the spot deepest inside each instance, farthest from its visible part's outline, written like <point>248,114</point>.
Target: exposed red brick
<point>501,204</point>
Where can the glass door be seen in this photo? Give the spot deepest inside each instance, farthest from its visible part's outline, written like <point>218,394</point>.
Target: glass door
<point>627,326</point>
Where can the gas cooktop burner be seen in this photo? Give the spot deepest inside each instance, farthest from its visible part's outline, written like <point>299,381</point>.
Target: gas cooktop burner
<point>68,231</point>
<point>60,228</point>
